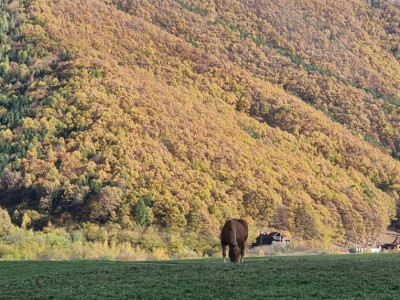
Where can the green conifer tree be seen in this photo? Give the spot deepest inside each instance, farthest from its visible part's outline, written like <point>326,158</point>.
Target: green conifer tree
<point>140,213</point>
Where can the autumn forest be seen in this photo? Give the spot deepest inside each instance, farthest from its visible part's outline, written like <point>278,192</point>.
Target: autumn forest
<point>140,127</point>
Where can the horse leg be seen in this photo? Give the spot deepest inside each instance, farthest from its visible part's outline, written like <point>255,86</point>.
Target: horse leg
<point>242,247</point>
<point>224,252</point>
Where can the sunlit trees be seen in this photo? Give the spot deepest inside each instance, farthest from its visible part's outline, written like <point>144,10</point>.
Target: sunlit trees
<point>104,205</point>
<point>180,127</point>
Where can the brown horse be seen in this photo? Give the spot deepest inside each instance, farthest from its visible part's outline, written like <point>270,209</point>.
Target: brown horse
<point>234,234</point>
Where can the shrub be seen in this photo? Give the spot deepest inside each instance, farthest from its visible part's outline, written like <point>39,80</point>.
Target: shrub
<point>160,254</point>
<point>93,233</point>
<point>130,236</point>
<point>126,252</point>
<point>175,245</point>
<point>151,239</point>
<point>8,252</point>
<point>5,223</point>
<point>76,236</point>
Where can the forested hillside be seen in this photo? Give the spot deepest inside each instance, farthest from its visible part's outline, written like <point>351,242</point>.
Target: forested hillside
<point>181,114</point>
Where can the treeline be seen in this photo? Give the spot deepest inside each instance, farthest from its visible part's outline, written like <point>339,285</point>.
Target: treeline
<point>92,241</point>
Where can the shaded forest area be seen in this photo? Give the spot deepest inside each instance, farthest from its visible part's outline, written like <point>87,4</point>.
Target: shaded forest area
<point>178,115</point>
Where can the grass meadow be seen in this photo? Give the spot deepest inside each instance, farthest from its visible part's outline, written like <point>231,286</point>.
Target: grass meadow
<point>363,276</point>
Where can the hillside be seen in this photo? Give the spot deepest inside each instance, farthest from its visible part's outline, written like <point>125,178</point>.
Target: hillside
<point>183,114</point>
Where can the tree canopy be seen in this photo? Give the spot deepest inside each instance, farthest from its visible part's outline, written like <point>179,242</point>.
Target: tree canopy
<point>182,114</point>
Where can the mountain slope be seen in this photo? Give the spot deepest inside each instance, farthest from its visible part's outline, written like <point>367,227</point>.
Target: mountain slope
<point>341,58</point>
<point>132,123</point>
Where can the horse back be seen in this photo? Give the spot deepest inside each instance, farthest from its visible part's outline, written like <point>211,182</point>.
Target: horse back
<point>242,230</point>
<point>234,232</point>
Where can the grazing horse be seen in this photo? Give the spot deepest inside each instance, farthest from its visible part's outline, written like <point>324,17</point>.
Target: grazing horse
<point>234,234</point>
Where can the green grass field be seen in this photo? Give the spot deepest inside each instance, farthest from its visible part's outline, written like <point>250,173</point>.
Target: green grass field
<point>366,276</point>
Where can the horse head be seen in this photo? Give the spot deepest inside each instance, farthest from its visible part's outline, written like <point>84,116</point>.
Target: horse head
<point>234,253</point>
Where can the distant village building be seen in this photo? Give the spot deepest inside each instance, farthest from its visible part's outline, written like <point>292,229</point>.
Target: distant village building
<point>376,250</point>
<point>395,245</point>
<point>271,238</point>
